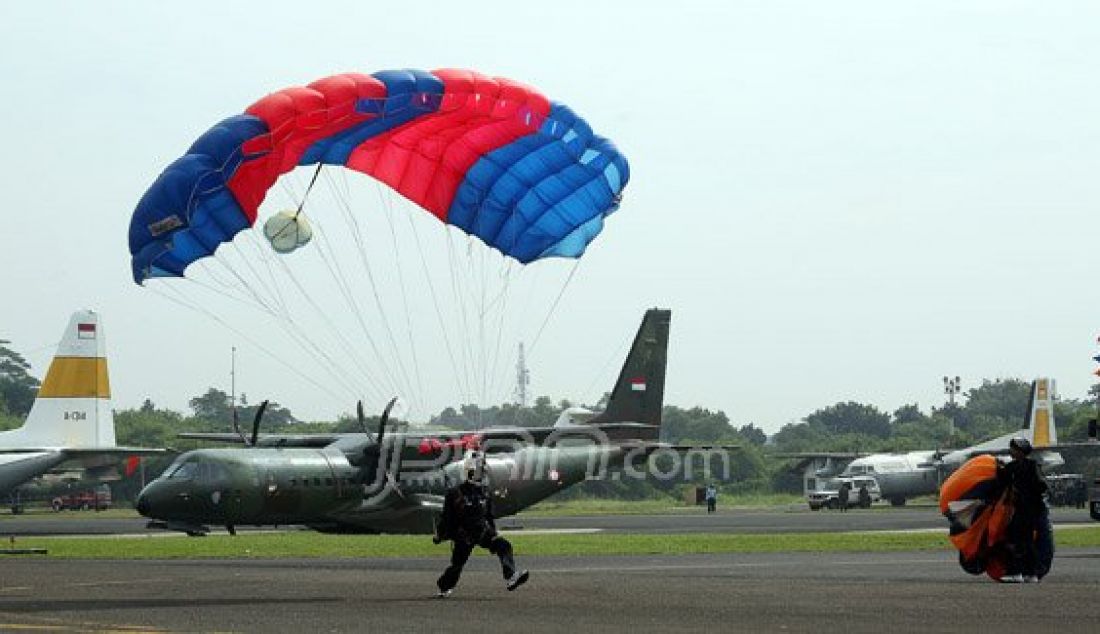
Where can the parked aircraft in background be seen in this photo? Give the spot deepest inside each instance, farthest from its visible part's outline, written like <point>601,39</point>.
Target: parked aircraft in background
<point>907,475</point>
<point>70,423</point>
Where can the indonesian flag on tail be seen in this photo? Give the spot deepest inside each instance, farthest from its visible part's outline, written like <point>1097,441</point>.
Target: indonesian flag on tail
<point>637,384</point>
<point>85,331</point>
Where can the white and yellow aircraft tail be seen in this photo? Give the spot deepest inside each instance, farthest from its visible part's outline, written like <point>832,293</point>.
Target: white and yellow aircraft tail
<point>71,419</point>
<point>73,408</point>
<point>1038,428</point>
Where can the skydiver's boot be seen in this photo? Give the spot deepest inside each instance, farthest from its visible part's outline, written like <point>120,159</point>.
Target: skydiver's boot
<point>1017,578</point>
<point>518,579</point>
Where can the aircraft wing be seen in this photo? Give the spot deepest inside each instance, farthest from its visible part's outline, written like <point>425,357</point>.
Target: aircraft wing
<point>699,447</point>
<point>268,440</point>
<point>113,451</point>
<point>538,435</point>
<point>88,451</point>
<point>838,455</point>
<point>1090,449</point>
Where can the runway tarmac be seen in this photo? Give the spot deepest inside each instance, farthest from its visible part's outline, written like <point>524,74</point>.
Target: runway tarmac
<point>870,592</point>
<point>785,520</point>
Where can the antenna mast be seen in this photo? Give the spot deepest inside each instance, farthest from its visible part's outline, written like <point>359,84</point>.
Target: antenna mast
<point>233,379</point>
<point>523,378</point>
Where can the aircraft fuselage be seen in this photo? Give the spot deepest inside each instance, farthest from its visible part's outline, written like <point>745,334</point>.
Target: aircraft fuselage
<point>320,488</point>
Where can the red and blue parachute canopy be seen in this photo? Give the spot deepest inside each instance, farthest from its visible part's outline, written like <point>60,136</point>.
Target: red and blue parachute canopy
<point>490,156</point>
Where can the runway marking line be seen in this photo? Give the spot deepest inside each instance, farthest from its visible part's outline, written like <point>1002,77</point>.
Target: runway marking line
<point>657,568</point>
<point>124,582</point>
<point>46,623</point>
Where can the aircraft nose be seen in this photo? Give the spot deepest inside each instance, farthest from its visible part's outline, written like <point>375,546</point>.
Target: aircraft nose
<point>143,506</point>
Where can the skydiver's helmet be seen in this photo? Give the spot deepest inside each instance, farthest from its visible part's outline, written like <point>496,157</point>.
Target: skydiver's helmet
<point>472,467</point>
<point>1020,444</point>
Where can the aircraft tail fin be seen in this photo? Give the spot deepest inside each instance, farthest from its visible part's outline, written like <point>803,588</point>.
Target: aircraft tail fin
<point>1039,421</point>
<point>639,393</point>
<point>73,407</point>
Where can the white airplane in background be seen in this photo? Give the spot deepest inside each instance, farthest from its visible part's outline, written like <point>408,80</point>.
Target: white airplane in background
<point>70,422</point>
<point>901,476</point>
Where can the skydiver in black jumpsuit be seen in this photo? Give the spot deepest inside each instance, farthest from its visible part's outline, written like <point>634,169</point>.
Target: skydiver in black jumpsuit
<point>468,522</point>
<point>1029,529</point>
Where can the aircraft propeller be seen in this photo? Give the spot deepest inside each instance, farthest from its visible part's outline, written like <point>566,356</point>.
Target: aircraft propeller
<point>362,419</point>
<point>372,453</point>
<point>382,420</point>
<point>248,442</point>
<point>256,423</point>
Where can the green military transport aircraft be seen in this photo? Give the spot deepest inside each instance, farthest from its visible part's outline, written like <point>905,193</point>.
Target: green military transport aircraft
<point>379,483</point>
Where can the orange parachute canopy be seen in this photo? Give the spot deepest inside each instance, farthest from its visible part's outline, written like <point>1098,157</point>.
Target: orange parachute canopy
<point>976,504</point>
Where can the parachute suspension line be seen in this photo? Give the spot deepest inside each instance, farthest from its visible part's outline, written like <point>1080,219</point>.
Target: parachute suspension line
<point>368,378</point>
<point>553,309</point>
<point>435,304</point>
<point>354,229</point>
<point>218,286</point>
<point>300,337</point>
<point>202,310</point>
<point>293,329</point>
<point>484,317</point>
<point>220,259</point>
<point>285,321</point>
<point>262,254</point>
<point>354,356</point>
<point>388,212</point>
<point>464,327</point>
<point>358,360</point>
<point>251,269</point>
<point>216,278</point>
<point>399,380</point>
<point>394,382</point>
<point>309,188</point>
<point>601,374</point>
<point>300,204</point>
<point>214,289</point>
<point>503,297</point>
<point>469,285</point>
<point>334,269</point>
<point>482,362</point>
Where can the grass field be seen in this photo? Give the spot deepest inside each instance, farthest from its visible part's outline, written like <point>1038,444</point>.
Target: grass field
<point>310,544</point>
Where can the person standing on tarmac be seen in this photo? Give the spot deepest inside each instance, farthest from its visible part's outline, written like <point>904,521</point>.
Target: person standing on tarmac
<point>468,521</point>
<point>864,497</point>
<point>1029,530</point>
<point>842,496</point>
<point>711,495</point>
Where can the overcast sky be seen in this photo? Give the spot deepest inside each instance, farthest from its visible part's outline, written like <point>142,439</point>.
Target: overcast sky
<point>838,200</point>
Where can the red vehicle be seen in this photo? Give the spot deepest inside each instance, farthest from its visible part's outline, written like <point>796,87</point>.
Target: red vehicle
<point>98,498</point>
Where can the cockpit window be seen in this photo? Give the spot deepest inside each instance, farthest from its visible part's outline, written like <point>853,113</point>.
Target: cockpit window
<point>212,472</point>
<point>186,471</point>
<point>200,470</point>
